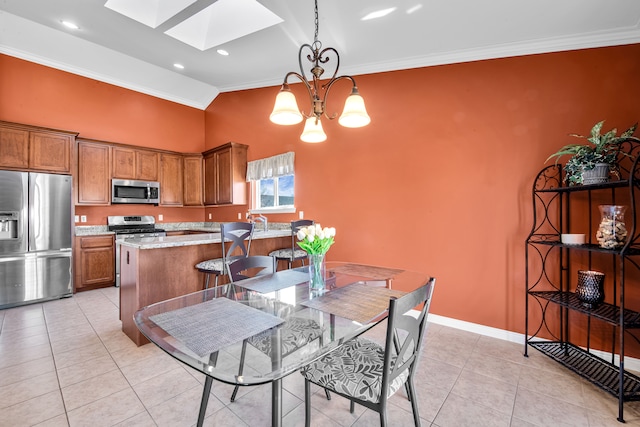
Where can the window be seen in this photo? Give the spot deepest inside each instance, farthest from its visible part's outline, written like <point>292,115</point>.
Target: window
<point>274,192</point>
<point>272,183</point>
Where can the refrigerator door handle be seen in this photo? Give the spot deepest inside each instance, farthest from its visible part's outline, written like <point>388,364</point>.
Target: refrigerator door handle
<point>34,220</point>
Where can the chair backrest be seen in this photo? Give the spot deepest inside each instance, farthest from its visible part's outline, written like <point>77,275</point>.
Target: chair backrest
<point>239,235</point>
<point>407,344</point>
<point>257,264</point>
<point>295,226</point>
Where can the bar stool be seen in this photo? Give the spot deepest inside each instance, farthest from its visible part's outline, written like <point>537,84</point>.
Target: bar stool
<point>239,234</point>
<point>293,253</point>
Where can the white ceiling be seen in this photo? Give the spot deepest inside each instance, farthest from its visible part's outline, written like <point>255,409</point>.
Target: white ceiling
<point>113,48</point>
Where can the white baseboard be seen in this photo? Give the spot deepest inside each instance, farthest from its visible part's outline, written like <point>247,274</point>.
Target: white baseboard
<point>631,363</point>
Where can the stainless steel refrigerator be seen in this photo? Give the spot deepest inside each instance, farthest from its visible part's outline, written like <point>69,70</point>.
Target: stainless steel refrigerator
<point>35,237</point>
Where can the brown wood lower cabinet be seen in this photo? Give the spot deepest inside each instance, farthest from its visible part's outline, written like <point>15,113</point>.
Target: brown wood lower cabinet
<point>94,262</point>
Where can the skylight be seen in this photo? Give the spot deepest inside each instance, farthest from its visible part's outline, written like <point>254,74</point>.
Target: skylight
<point>148,12</point>
<point>223,21</point>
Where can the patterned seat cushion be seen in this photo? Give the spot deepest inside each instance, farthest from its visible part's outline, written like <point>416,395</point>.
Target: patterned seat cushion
<point>296,332</point>
<point>211,266</point>
<point>286,254</point>
<point>355,369</point>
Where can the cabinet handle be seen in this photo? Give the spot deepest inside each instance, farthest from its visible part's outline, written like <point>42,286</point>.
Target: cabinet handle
<point>127,257</point>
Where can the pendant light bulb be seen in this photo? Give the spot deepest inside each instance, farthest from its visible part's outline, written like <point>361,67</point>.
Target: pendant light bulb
<point>313,131</point>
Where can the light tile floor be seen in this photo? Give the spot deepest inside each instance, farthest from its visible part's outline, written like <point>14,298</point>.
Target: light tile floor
<point>67,363</point>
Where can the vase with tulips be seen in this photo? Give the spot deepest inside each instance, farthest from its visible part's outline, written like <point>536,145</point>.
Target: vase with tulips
<point>316,241</point>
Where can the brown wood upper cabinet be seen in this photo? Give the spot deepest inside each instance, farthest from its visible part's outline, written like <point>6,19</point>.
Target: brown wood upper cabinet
<point>129,163</point>
<point>34,148</point>
<point>192,193</point>
<point>171,179</point>
<point>94,173</point>
<point>225,171</point>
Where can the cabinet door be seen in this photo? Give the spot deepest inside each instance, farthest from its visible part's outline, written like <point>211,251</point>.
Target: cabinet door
<point>210,179</point>
<point>50,152</point>
<point>224,184</point>
<point>14,148</point>
<point>129,163</point>
<point>192,194</point>
<point>94,174</point>
<point>146,165</point>
<point>96,261</point>
<point>124,163</point>
<point>171,180</point>
<point>225,175</point>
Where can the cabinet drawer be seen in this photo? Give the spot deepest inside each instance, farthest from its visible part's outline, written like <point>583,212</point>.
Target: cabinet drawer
<point>96,242</point>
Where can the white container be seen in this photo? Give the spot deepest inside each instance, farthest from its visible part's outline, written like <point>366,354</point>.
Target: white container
<point>572,239</point>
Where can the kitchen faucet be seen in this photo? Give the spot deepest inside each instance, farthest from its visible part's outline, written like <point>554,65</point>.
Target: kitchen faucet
<point>253,218</point>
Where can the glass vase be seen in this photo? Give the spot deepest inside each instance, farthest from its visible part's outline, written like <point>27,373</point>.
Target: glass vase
<point>612,232</point>
<point>316,275</point>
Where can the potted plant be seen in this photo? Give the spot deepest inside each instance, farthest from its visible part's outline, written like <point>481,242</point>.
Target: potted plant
<point>596,159</point>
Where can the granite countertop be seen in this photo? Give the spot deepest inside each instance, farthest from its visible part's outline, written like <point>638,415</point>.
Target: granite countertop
<point>193,239</point>
<point>204,227</point>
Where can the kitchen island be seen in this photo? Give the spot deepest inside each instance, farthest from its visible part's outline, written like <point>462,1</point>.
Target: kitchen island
<point>156,269</point>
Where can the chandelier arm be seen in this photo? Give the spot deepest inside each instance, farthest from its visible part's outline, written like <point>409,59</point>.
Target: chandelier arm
<point>327,88</point>
<point>307,85</point>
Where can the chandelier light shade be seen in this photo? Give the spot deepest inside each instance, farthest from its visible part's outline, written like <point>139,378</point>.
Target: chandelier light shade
<point>286,111</point>
<point>354,114</point>
<point>313,131</point>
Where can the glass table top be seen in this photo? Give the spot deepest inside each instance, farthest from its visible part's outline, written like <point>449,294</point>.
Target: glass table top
<point>273,317</point>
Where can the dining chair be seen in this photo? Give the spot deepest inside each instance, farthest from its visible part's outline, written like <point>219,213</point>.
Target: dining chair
<point>235,236</point>
<point>367,373</point>
<point>293,253</point>
<point>296,332</point>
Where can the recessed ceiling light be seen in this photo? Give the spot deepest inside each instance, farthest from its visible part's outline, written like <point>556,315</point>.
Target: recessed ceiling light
<point>378,14</point>
<point>180,66</point>
<point>70,24</point>
<point>223,52</point>
<point>414,9</point>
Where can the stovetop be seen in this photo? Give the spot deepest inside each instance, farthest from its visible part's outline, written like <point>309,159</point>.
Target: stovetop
<point>139,224</point>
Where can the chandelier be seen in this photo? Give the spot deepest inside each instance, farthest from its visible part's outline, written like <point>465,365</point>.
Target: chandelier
<point>286,111</point>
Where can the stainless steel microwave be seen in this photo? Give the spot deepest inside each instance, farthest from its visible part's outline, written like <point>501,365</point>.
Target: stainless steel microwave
<point>130,191</point>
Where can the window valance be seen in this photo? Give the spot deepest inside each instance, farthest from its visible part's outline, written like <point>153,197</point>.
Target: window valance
<point>270,167</point>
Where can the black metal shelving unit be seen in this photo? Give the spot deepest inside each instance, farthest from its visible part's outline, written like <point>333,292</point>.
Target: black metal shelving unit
<point>549,268</point>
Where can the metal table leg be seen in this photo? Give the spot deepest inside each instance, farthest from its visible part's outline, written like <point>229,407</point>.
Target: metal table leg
<point>205,399</point>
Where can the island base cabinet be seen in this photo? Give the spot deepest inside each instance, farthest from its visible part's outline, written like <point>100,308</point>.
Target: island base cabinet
<point>148,276</point>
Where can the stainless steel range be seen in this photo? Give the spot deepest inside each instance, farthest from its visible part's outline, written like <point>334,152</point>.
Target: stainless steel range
<point>131,227</point>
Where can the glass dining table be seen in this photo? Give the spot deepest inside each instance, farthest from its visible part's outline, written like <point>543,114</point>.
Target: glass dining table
<point>261,329</point>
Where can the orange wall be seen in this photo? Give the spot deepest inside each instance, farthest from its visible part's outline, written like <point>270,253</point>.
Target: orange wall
<point>37,95</point>
<point>439,181</point>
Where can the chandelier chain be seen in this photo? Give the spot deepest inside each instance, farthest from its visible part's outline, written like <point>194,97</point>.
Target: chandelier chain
<point>315,36</point>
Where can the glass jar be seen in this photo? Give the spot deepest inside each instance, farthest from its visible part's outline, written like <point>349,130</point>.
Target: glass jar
<point>612,233</point>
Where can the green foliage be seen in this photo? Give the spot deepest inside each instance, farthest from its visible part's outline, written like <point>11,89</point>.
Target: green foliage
<point>603,148</point>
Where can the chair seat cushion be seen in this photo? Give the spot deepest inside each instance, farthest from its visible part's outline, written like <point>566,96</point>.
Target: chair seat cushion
<point>213,266</point>
<point>296,332</point>
<point>354,369</point>
<point>286,254</point>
